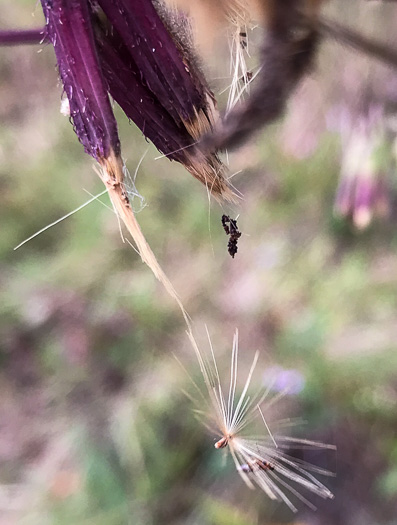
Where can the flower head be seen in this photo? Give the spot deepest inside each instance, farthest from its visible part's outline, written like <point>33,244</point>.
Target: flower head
<point>123,48</point>
<point>363,189</point>
<point>263,461</point>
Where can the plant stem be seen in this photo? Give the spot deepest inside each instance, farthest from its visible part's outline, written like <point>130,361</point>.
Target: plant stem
<point>360,42</point>
<point>20,37</point>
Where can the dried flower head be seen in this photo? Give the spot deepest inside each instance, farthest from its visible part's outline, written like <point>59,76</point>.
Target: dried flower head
<point>263,461</point>
<point>122,48</point>
<point>72,28</point>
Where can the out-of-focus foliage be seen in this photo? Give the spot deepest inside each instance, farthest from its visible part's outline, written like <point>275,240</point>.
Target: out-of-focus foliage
<point>94,425</point>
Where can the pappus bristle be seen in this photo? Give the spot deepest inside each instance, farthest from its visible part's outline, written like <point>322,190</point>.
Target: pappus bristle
<point>238,15</point>
<point>262,461</point>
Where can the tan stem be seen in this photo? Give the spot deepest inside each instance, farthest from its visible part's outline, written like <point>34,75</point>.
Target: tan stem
<point>112,176</point>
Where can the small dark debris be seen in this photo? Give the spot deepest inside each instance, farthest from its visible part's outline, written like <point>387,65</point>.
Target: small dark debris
<point>231,229</point>
<point>243,40</point>
<point>258,464</point>
<point>246,79</point>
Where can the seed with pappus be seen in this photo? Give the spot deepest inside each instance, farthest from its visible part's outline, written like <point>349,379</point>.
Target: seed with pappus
<point>264,460</point>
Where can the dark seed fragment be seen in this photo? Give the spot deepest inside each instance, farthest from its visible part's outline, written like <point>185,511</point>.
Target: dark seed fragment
<point>231,229</point>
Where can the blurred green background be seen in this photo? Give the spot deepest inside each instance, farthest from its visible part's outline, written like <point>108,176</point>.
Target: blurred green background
<point>95,427</point>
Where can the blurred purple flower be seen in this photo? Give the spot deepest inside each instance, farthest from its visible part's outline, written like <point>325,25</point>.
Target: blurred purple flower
<point>363,191</point>
<point>279,379</point>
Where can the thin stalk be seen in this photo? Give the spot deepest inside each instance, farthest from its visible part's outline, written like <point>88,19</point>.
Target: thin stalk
<point>362,43</point>
<point>16,37</point>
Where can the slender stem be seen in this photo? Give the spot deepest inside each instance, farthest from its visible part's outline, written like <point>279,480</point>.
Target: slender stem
<point>362,43</point>
<point>23,36</point>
